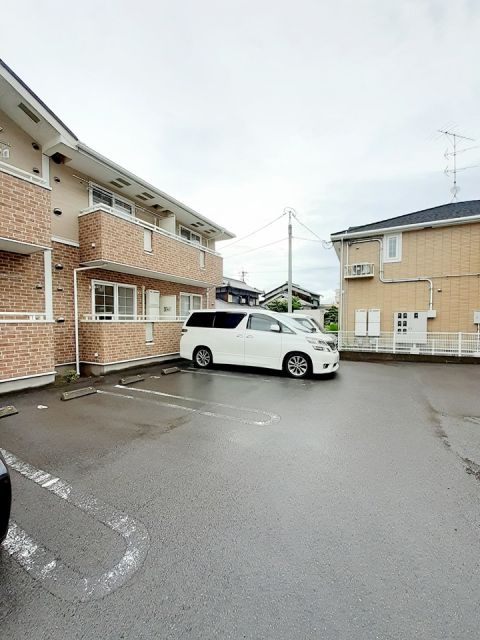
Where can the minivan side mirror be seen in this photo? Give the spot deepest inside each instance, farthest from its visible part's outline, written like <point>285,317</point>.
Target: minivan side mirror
<point>275,327</point>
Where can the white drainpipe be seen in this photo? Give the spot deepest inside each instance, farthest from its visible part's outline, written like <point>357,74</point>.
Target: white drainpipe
<point>393,281</point>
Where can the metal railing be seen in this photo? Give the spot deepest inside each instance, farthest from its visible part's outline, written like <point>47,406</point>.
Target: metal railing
<point>424,343</point>
<point>10,317</point>
<point>109,317</point>
<point>359,270</point>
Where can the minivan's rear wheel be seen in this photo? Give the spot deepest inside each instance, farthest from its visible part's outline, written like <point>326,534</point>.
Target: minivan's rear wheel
<point>202,357</point>
<point>297,365</point>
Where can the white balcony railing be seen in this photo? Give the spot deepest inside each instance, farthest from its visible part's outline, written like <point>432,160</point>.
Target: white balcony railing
<point>360,270</point>
<point>425,343</point>
<point>106,317</point>
<point>23,175</point>
<point>10,317</point>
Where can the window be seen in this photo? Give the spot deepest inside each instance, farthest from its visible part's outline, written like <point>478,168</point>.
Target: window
<point>98,195</point>
<point>147,239</point>
<point>149,332</point>
<point>188,234</point>
<point>227,320</point>
<point>189,302</point>
<point>202,259</point>
<point>112,301</point>
<point>201,319</point>
<point>259,322</point>
<point>392,248</point>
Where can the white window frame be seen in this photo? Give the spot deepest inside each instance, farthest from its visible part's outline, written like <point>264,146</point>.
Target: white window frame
<point>114,195</point>
<point>202,258</point>
<point>398,256</point>
<point>148,240</point>
<point>189,295</point>
<point>190,231</point>
<point>115,315</point>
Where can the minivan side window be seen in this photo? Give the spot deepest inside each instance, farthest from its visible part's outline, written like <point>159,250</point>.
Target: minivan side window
<point>228,320</point>
<point>201,320</point>
<point>258,322</point>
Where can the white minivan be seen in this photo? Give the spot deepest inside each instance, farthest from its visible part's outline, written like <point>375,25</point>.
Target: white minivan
<point>256,338</point>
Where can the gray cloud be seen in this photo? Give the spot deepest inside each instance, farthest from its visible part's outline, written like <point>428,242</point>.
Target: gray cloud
<point>241,108</point>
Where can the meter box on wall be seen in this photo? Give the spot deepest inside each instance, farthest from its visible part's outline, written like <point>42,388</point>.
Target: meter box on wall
<point>410,326</point>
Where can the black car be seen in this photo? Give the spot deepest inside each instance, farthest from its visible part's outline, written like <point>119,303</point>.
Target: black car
<point>5,499</point>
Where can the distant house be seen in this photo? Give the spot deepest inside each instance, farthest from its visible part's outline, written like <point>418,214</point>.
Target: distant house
<point>236,293</point>
<point>308,299</point>
<point>412,283</point>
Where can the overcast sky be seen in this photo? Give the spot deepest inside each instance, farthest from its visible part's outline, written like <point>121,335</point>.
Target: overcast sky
<point>241,108</point>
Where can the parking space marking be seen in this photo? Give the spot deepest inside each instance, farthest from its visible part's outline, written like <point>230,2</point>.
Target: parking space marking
<point>245,376</point>
<point>58,578</point>
<point>271,417</point>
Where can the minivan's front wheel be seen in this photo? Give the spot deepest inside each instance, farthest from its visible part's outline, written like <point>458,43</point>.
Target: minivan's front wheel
<point>297,365</point>
<point>202,357</point>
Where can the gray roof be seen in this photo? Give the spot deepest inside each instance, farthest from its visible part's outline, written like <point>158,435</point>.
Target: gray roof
<point>295,287</point>
<point>449,211</point>
<point>238,284</point>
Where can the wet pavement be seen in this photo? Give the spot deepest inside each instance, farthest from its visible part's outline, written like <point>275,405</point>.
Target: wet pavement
<point>241,504</point>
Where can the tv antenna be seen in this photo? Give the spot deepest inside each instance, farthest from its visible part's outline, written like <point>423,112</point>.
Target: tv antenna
<point>453,138</point>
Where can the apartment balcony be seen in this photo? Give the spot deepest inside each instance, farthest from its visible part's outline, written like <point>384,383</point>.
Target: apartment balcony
<point>119,242</point>
<point>25,225</point>
<point>359,270</point>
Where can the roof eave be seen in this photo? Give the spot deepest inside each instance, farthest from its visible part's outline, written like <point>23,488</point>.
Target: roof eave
<point>405,227</point>
<point>98,157</point>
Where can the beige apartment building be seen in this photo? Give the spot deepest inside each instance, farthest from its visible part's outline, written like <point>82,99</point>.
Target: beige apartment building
<point>97,267</point>
<point>412,283</point>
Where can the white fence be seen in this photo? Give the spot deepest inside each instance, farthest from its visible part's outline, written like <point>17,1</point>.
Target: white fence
<point>426,343</point>
<point>109,317</point>
<point>14,317</point>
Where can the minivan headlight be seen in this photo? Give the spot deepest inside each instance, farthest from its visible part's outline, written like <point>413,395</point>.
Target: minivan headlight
<point>317,344</point>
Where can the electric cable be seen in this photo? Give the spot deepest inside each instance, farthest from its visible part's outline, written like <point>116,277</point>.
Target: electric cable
<point>254,232</point>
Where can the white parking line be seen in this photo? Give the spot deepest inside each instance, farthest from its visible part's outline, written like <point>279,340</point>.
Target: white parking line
<point>271,417</point>
<point>245,376</point>
<point>60,579</point>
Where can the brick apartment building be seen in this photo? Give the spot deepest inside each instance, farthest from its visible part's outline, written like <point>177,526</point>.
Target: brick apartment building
<point>97,267</point>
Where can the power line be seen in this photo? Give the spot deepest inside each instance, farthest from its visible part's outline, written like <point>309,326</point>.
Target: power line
<point>269,244</point>
<point>254,232</point>
<point>325,244</point>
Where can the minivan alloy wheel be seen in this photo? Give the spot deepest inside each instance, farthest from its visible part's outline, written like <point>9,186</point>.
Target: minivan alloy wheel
<point>203,357</point>
<point>297,366</point>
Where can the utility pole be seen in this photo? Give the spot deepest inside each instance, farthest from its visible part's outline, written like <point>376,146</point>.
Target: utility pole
<point>291,212</point>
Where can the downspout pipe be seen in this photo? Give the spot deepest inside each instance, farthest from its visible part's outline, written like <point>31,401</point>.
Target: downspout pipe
<point>75,312</point>
<point>398,280</point>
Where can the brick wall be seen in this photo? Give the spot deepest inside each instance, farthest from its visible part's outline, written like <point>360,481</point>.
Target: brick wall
<point>24,211</point>
<point>62,284</point>
<point>19,277</point>
<point>26,349</point>
<point>121,241</point>
<point>115,341</point>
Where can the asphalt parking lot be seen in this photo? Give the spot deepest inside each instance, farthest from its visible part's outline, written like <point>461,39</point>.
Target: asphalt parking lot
<point>241,504</point>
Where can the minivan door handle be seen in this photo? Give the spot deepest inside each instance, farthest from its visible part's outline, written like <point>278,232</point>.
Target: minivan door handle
<point>239,335</point>
<point>249,336</point>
